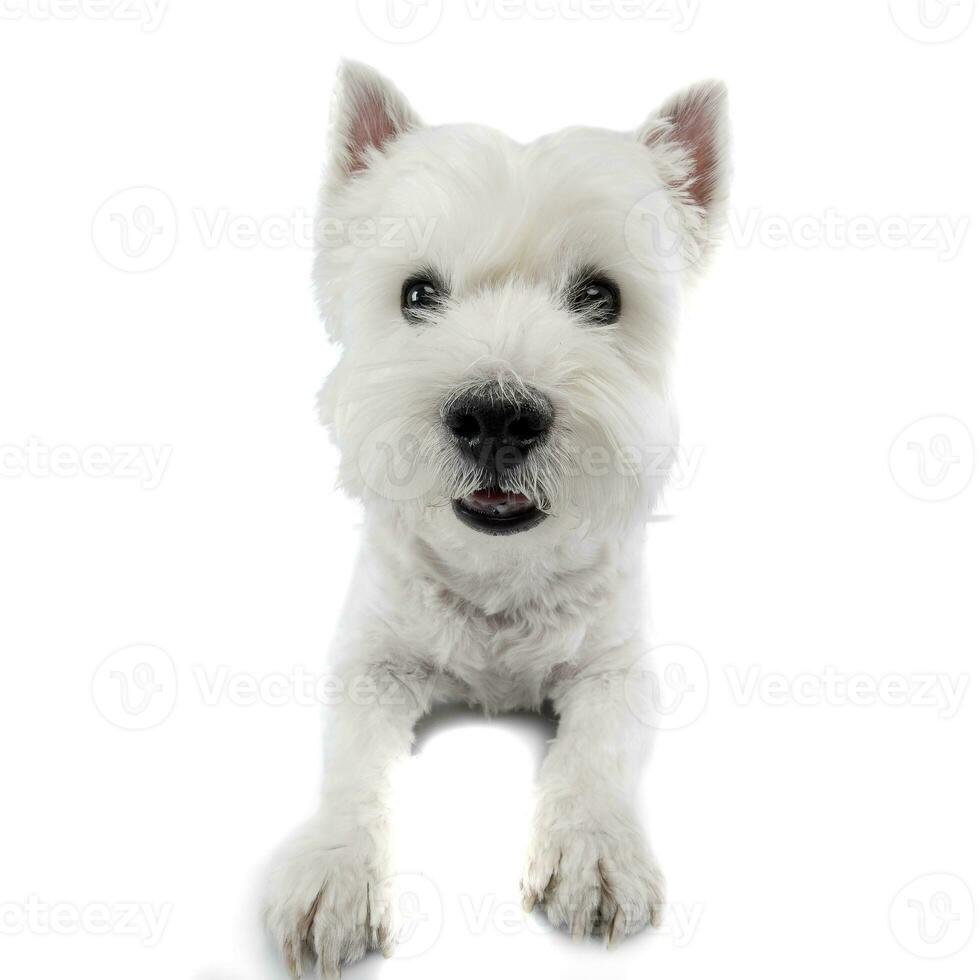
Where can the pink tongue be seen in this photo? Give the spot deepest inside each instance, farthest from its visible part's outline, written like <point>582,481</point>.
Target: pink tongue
<point>494,496</point>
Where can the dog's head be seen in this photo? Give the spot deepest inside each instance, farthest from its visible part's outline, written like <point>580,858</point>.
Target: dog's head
<point>505,311</point>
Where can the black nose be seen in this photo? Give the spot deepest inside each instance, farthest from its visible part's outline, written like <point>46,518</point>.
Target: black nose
<point>496,431</point>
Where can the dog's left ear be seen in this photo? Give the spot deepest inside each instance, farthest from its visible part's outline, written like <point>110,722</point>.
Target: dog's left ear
<point>691,130</point>
<point>369,114</point>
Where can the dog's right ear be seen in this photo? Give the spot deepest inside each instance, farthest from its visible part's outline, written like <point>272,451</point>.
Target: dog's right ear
<point>369,113</point>
<point>690,131</point>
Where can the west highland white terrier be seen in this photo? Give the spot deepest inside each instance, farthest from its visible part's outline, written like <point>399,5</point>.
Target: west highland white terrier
<point>505,314</point>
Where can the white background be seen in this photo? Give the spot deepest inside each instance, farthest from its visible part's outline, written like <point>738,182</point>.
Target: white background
<point>816,534</point>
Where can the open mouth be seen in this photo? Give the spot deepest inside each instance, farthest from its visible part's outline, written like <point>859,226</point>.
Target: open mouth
<point>496,511</point>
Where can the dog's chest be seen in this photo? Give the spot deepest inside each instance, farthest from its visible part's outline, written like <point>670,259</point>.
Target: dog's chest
<point>504,657</point>
<point>500,635</point>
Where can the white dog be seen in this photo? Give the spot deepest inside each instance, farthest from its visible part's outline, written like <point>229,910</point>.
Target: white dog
<point>505,313</point>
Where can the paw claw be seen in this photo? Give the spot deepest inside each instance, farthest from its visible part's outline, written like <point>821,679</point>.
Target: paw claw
<point>617,929</point>
<point>329,896</point>
<point>291,954</point>
<point>384,942</point>
<point>597,882</point>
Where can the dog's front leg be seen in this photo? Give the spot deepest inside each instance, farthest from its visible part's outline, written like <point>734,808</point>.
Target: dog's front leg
<point>327,888</point>
<point>589,864</point>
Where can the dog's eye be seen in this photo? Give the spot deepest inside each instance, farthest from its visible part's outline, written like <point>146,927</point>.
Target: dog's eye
<point>596,300</point>
<point>419,297</point>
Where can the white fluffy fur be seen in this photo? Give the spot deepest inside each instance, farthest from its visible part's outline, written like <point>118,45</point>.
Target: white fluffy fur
<point>437,611</point>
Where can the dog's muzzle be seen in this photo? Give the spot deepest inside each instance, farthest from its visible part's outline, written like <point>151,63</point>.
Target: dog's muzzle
<point>496,431</point>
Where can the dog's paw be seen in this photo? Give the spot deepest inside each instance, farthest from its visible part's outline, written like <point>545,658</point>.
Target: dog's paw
<point>328,896</point>
<point>593,880</point>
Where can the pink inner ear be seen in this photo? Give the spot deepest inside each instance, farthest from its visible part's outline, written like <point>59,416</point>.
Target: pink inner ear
<point>371,126</point>
<point>694,119</point>
<point>694,128</point>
